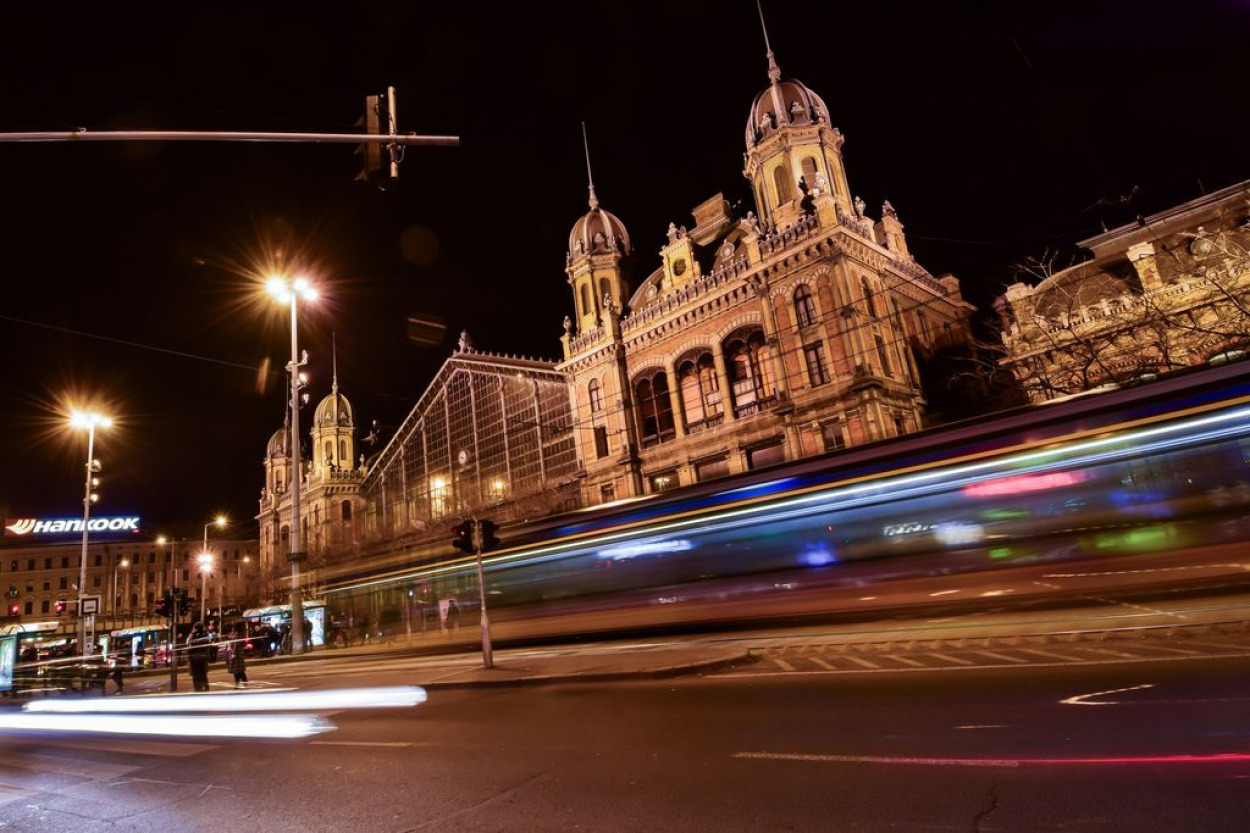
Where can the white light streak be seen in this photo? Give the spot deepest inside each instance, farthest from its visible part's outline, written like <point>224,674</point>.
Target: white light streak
<point>232,701</point>
<point>238,726</point>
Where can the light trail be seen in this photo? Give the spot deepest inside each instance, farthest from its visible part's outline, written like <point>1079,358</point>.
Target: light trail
<point>265,701</point>
<point>202,726</point>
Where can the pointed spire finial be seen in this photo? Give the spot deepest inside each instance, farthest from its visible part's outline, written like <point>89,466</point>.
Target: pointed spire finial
<point>594,201</point>
<point>334,352</point>
<point>774,71</point>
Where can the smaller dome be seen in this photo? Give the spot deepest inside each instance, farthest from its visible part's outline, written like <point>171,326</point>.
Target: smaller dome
<point>333,410</point>
<point>596,232</point>
<point>279,443</point>
<point>786,102</point>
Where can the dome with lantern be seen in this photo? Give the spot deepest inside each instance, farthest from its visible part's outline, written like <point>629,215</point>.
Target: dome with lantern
<point>596,232</point>
<point>781,104</point>
<point>333,410</point>
<point>280,443</point>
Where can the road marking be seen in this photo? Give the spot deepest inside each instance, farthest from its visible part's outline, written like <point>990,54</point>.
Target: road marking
<point>1039,652</point>
<point>948,658</point>
<point>1105,651</point>
<point>382,743</point>
<point>877,759</point>
<point>823,664</point>
<point>863,662</point>
<point>1181,651</point>
<point>785,666</point>
<point>167,749</point>
<point>1083,699</point>
<point>1000,657</point>
<point>906,661</point>
<point>984,726</point>
<point>1148,570</point>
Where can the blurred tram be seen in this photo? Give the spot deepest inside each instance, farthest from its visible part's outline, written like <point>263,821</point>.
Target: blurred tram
<point>1161,466</point>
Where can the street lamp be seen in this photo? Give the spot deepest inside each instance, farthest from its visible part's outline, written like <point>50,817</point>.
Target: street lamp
<point>124,563</point>
<point>238,580</point>
<point>90,421</point>
<point>161,541</point>
<point>206,566</point>
<point>290,292</point>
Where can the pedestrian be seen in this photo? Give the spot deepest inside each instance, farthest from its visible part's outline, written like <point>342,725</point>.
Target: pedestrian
<point>119,668</point>
<point>237,664</point>
<point>198,647</point>
<point>453,616</point>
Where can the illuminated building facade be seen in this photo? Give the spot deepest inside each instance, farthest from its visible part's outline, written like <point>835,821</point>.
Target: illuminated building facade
<point>1167,292</point>
<point>778,335</point>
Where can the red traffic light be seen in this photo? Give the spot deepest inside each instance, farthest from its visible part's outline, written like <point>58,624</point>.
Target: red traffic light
<point>60,608</point>
<point>15,609</point>
<point>463,539</point>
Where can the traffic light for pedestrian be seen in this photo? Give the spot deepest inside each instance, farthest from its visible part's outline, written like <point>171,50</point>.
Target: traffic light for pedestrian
<point>463,536</point>
<point>15,610</point>
<point>60,608</point>
<point>486,534</point>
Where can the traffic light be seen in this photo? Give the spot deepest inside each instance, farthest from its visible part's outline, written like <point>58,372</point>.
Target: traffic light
<point>486,533</point>
<point>184,601</point>
<point>380,163</point>
<point>162,605</point>
<point>463,533</point>
<point>60,608</point>
<point>15,610</point>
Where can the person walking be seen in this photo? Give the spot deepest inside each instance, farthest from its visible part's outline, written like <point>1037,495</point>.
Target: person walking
<point>198,647</point>
<point>237,664</point>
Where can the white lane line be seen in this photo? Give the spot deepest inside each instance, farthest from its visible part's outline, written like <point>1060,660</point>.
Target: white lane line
<point>781,663</point>
<point>865,663</point>
<point>1001,657</point>
<point>381,743</point>
<point>1049,654</point>
<point>166,749</point>
<point>822,664</point>
<point>1222,646</point>
<point>949,658</point>
<point>877,759</point>
<point>906,661</point>
<point>1083,699</point>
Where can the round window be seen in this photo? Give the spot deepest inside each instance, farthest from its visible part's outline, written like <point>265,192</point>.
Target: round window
<point>679,267</point>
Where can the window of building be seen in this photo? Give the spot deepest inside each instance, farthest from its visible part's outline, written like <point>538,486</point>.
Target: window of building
<point>134,597</point>
<point>817,372</point>
<point>601,442</point>
<point>924,325</point>
<point>151,557</point>
<point>809,171</point>
<point>346,510</point>
<point>99,560</point>
<point>700,391</point>
<point>47,563</point>
<point>47,585</point>
<point>750,373</point>
<point>869,301</point>
<point>30,608</point>
<point>663,481</point>
<point>882,356</point>
<point>343,458</point>
<point>781,181</point>
<point>95,581</point>
<point>595,394</point>
<point>64,583</point>
<point>605,288</point>
<point>30,564</point>
<point>13,566</point>
<point>587,309</point>
<point>804,306</point>
<point>711,469</point>
<point>766,455</point>
<point>833,435</point>
<point>655,409</point>
<point>607,492</point>
<point>64,562</point>
<point>185,578</point>
<point>329,450</point>
<point>900,424</point>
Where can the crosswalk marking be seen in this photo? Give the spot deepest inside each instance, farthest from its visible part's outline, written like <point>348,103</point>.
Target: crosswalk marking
<point>1001,657</point>
<point>906,661</point>
<point>1048,654</point>
<point>863,662</point>
<point>949,658</point>
<point>785,666</point>
<point>818,661</point>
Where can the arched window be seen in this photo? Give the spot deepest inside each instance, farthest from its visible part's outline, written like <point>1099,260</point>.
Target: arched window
<point>655,409</point>
<point>286,539</point>
<point>595,394</point>
<point>691,396</point>
<point>346,510</point>
<point>804,306</point>
<point>809,172</point>
<point>329,450</point>
<point>868,299</point>
<point>700,392</point>
<point>605,288</point>
<point>750,373</point>
<point>587,309</point>
<point>781,182</point>
<point>344,458</point>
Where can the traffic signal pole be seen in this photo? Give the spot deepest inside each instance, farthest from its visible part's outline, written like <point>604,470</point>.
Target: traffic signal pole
<point>488,660</point>
<point>172,593</point>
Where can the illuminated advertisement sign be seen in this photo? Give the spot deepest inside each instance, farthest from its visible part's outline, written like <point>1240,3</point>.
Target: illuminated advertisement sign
<point>66,526</point>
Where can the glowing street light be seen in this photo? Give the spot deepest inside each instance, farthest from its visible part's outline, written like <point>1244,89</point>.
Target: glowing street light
<point>206,563</point>
<point>90,421</point>
<point>290,292</point>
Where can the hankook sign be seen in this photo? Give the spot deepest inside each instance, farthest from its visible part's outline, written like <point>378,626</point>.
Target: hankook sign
<point>65,526</point>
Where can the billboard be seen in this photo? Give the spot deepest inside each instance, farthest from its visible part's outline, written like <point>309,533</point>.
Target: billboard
<point>69,526</point>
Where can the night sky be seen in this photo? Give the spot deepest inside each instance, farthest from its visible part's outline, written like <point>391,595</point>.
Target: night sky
<point>998,131</point>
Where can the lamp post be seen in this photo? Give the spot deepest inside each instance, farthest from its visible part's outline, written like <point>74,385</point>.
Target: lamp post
<point>290,293</point>
<point>238,580</point>
<point>90,421</point>
<point>173,611</point>
<point>206,563</point>
<point>123,563</point>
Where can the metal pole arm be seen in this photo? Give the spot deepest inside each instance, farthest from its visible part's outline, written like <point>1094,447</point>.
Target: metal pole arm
<point>84,135</point>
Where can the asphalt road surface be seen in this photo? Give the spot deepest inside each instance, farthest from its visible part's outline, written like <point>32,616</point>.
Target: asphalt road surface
<point>1141,746</point>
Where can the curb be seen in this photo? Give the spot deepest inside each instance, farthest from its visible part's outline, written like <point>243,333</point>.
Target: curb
<point>695,667</point>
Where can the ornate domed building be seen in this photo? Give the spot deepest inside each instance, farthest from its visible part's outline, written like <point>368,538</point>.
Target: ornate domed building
<point>781,334</point>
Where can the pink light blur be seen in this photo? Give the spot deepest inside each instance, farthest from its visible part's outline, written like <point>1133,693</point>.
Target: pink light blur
<point>1022,483</point>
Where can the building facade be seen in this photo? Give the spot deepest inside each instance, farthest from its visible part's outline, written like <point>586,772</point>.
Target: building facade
<point>782,334</point>
<point>1168,292</point>
<point>129,575</point>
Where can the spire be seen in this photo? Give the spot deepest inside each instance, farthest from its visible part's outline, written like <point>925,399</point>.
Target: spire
<point>594,201</point>
<point>334,352</point>
<point>774,71</point>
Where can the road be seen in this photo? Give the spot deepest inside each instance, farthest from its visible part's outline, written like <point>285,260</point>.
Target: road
<point>1156,744</point>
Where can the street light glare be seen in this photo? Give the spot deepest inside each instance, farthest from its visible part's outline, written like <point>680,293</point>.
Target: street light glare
<point>88,419</point>
<point>277,287</point>
<point>221,520</point>
<point>302,285</point>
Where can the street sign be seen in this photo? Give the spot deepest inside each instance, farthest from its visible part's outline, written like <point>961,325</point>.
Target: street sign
<point>90,606</point>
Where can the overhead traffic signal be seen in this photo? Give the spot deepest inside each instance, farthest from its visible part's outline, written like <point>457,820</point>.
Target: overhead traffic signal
<point>486,535</point>
<point>380,163</point>
<point>463,535</point>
